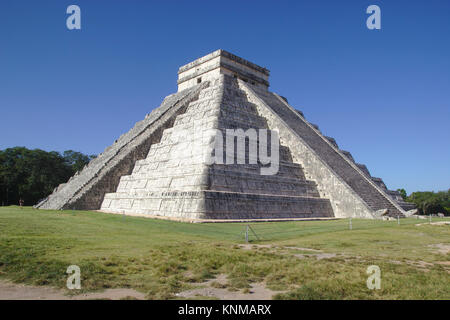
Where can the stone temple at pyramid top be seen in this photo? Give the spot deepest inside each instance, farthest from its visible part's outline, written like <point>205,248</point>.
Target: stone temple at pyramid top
<point>220,62</point>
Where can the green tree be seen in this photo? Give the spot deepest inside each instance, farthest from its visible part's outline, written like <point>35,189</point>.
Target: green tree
<point>429,202</point>
<point>403,193</point>
<point>432,206</point>
<point>33,174</point>
<point>76,160</point>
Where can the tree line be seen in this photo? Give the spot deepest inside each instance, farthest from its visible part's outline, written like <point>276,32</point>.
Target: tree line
<point>429,202</point>
<point>31,175</point>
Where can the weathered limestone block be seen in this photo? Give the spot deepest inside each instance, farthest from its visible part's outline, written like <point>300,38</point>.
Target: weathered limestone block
<point>381,213</point>
<point>411,212</point>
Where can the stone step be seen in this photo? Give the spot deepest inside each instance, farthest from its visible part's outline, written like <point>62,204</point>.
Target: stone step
<point>217,205</point>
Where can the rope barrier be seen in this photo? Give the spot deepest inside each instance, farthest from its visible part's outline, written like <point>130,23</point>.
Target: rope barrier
<point>274,230</point>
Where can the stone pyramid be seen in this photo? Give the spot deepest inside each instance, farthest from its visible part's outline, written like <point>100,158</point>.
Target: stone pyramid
<point>163,167</point>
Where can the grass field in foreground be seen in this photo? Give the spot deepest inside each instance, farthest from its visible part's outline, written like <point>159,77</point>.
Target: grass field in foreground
<point>161,258</point>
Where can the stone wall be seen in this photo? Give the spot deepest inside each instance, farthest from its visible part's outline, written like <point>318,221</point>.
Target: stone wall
<point>221,62</point>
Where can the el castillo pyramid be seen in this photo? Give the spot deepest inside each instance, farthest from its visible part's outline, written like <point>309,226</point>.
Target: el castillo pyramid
<point>158,168</point>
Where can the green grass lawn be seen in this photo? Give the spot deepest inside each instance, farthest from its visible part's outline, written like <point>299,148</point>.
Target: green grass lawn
<point>161,258</point>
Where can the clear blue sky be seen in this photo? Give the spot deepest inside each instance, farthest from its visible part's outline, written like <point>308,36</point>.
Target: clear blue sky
<point>384,95</point>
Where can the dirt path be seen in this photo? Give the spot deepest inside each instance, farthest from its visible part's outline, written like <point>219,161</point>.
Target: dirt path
<point>13,291</point>
<point>442,248</point>
<point>439,223</point>
<point>258,291</point>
